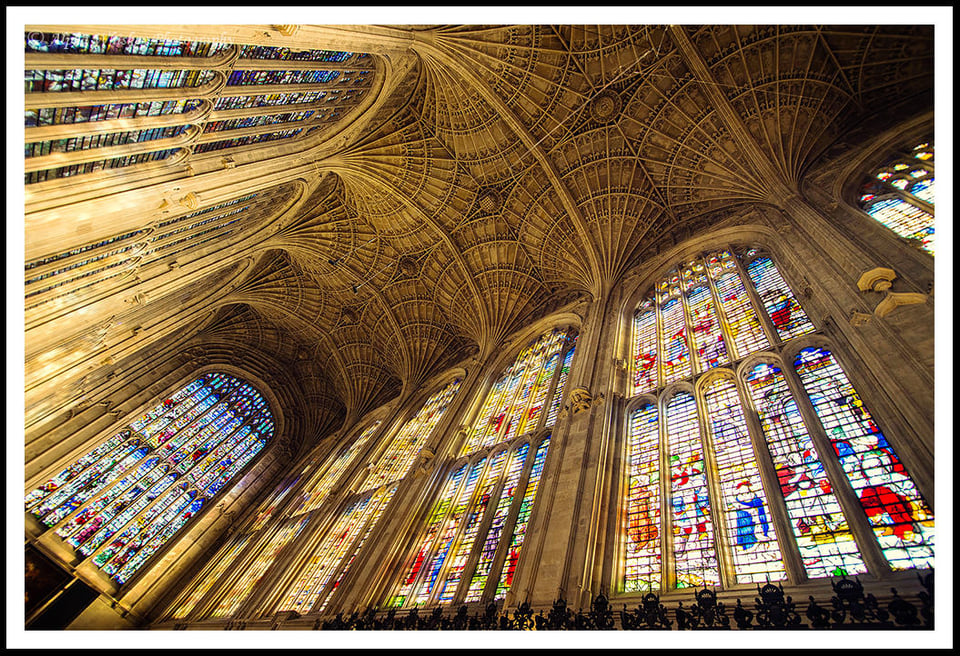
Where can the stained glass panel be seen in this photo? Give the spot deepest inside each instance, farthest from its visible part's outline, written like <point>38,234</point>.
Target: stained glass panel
<point>782,306</point>
<point>820,529</point>
<point>901,520</point>
<point>905,179</point>
<point>221,562</point>
<point>645,350</point>
<point>515,400</point>
<point>381,499</point>
<point>695,558</point>
<point>523,519</point>
<point>492,539</point>
<point>561,381</point>
<point>327,476</point>
<point>644,548</point>
<point>905,219</point>
<point>448,532</point>
<point>405,446</point>
<point>750,532</point>
<point>434,523</point>
<point>253,572</point>
<point>745,331</point>
<point>455,571</point>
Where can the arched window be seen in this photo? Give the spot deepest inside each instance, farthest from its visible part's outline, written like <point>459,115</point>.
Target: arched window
<point>470,546</point>
<point>727,477</point>
<point>900,194</point>
<point>120,503</point>
<point>314,493</point>
<point>333,550</point>
<point>206,98</point>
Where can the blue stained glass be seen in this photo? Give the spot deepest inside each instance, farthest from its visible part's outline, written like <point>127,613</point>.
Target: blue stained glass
<point>125,499</point>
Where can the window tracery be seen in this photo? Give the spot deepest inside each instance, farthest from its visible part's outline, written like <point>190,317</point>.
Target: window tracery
<point>470,545</point>
<point>900,194</point>
<point>355,518</point>
<point>722,442</point>
<point>121,502</point>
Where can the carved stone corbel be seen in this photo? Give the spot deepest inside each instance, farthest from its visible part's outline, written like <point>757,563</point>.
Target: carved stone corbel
<point>859,318</point>
<point>893,300</point>
<point>191,201</point>
<point>580,400</point>
<point>880,279</point>
<point>426,458</point>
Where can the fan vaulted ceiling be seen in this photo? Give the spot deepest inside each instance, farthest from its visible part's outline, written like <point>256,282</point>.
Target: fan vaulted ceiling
<point>498,173</point>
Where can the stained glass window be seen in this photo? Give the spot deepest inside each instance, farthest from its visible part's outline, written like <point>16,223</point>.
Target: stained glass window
<point>524,399</point>
<point>712,521</point>
<point>514,404</point>
<point>69,277</point>
<point>819,527</point>
<point>900,194</point>
<point>643,536</point>
<point>266,510</point>
<point>92,44</point>
<point>695,559</point>
<point>120,503</point>
<point>743,504</point>
<point>328,475</point>
<point>490,479</point>
<point>901,520</point>
<point>354,519</point>
<point>483,492</point>
<point>437,515</point>
<point>785,313</point>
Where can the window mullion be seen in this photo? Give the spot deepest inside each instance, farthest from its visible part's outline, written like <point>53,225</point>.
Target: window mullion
<point>506,534</point>
<point>668,577</point>
<point>852,510</point>
<point>773,337</point>
<point>793,561</point>
<point>721,541</point>
<point>696,367</point>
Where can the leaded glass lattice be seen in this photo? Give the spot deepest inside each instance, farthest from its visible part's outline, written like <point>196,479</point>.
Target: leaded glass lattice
<point>728,473</point>
<point>900,195</point>
<point>901,520</point>
<point>125,499</point>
